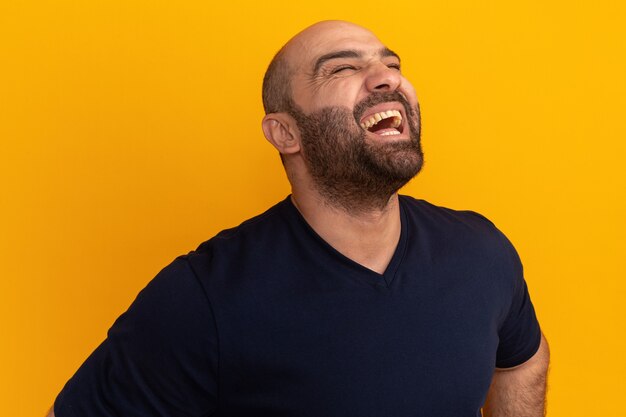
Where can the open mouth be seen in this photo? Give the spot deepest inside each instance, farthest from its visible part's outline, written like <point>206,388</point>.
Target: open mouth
<point>384,123</point>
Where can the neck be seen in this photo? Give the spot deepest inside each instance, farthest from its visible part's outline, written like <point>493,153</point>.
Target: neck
<point>368,235</point>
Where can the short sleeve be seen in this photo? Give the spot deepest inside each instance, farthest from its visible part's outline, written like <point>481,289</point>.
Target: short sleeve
<point>159,359</point>
<point>519,333</point>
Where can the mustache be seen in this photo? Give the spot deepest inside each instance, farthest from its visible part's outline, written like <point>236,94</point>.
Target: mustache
<point>377,98</point>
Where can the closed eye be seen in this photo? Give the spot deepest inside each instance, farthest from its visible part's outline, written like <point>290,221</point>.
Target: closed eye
<point>341,68</point>
<point>394,66</point>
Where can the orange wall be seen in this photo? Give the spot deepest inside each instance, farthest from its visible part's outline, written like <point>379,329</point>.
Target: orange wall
<point>130,132</point>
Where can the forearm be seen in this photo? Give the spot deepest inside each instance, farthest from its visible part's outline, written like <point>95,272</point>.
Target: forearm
<point>520,391</point>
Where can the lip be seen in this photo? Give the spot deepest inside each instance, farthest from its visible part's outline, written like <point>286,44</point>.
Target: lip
<point>390,105</point>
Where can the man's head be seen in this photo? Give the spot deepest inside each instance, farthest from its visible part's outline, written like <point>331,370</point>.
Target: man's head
<point>339,110</point>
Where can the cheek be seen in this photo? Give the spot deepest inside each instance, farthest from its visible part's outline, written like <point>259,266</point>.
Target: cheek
<point>342,92</point>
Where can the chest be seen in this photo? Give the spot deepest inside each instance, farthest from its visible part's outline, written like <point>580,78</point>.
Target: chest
<point>423,346</point>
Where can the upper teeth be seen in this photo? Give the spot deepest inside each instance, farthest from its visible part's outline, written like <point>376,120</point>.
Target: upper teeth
<point>375,118</point>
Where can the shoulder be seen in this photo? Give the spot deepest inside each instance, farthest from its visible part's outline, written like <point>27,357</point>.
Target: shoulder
<point>172,307</point>
<point>249,243</point>
<point>430,214</point>
<point>463,230</point>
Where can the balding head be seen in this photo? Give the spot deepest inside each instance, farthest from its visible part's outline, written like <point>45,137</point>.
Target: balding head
<point>277,92</point>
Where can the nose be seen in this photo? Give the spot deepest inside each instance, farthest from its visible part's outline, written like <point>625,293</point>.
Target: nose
<point>381,78</point>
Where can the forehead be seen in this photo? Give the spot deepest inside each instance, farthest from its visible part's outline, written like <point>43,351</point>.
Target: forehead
<point>308,46</point>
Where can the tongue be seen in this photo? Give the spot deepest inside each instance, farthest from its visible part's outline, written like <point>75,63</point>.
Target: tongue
<point>384,124</point>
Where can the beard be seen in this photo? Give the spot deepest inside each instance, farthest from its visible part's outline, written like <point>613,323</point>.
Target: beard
<point>349,171</point>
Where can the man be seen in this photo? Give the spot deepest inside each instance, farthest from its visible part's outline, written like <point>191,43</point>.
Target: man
<point>345,299</point>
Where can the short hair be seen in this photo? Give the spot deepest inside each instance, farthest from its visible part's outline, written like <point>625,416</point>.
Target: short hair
<point>277,85</point>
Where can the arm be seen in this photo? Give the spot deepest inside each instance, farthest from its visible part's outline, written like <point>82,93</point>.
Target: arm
<point>50,412</point>
<point>520,391</point>
<point>159,357</point>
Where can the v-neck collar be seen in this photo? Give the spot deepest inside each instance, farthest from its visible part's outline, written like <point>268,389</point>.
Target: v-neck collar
<point>355,269</point>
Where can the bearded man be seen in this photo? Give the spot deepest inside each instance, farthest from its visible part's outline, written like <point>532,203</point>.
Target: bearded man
<point>345,299</point>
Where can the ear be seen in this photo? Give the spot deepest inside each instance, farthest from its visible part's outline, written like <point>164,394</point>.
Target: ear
<point>281,131</point>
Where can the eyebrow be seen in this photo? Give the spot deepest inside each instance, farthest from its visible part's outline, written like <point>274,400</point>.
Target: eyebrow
<point>350,53</point>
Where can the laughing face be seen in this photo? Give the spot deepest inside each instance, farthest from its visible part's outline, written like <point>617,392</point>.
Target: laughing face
<point>349,169</point>
<point>358,116</point>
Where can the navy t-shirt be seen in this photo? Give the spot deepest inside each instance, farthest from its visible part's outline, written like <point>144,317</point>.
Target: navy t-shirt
<point>267,319</point>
